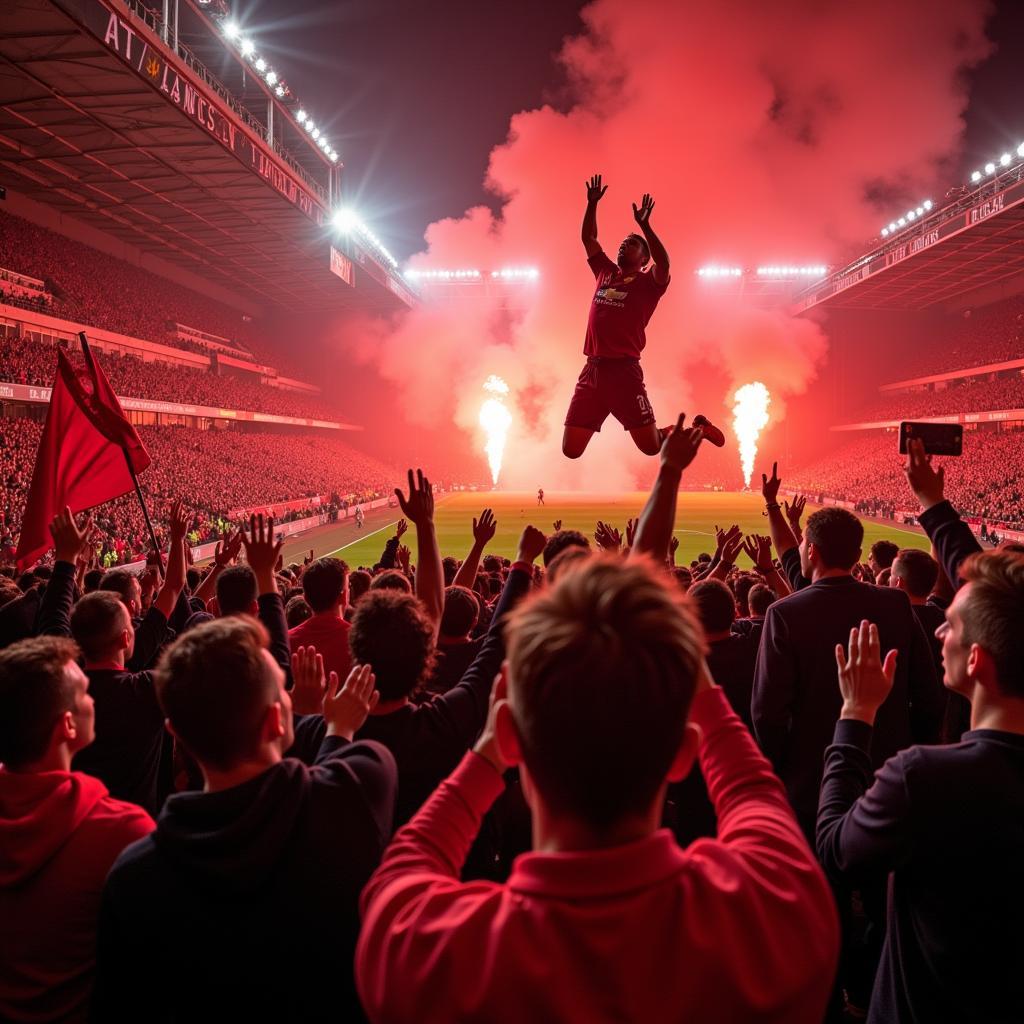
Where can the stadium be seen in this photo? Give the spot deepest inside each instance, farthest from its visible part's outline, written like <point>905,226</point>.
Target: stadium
<point>230,334</point>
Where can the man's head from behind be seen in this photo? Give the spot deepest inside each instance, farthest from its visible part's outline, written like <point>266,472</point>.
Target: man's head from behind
<point>716,607</point>
<point>558,542</point>
<point>237,591</point>
<point>604,660</point>
<point>983,635</point>
<point>461,613</point>
<point>832,541</point>
<point>392,579</point>
<point>915,572</point>
<point>882,554</point>
<point>46,713</point>
<point>358,584</point>
<point>125,584</point>
<point>325,584</point>
<point>760,599</point>
<point>224,696</point>
<point>103,629</point>
<point>393,635</point>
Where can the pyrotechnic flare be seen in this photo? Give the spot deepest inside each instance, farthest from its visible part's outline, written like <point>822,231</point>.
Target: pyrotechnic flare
<point>749,417</point>
<point>495,420</point>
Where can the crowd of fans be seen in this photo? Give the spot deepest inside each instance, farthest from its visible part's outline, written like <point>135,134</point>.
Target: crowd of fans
<point>608,788</point>
<point>91,287</point>
<point>215,471</point>
<point>985,482</point>
<point>26,361</point>
<point>974,396</point>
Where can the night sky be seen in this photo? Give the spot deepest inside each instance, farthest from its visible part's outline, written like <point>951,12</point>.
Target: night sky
<point>416,94</point>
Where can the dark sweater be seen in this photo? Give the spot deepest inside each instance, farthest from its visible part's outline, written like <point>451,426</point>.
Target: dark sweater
<point>948,823</point>
<point>242,905</point>
<point>732,662</point>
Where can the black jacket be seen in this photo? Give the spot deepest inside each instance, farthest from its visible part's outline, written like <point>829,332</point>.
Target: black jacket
<point>796,698</point>
<point>243,904</point>
<point>948,823</point>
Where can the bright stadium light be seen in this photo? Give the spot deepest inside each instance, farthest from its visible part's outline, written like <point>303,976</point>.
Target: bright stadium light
<point>271,77</point>
<point>247,47</point>
<point>1005,160</point>
<point>279,91</point>
<point>301,117</point>
<point>1020,149</point>
<point>260,64</point>
<point>334,157</point>
<point>975,176</point>
<point>713,271</point>
<point>927,204</point>
<point>344,219</point>
<point>309,125</point>
<point>231,29</point>
<point>990,168</point>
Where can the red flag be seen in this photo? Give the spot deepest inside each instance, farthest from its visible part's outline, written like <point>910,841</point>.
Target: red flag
<point>81,459</point>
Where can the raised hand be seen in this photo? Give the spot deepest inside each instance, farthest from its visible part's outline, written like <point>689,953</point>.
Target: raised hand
<point>928,484</point>
<point>419,506</point>
<point>594,189</point>
<point>607,537</point>
<point>732,541</point>
<point>346,708</point>
<point>310,684</point>
<point>795,511</point>
<point>864,681</point>
<point>400,527</point>
<point>531,544</point>
<point>556,525</point>
<point>404,556</point>
<point>680,446</point>
<point>631,525</point>
<point>179,521</point>
<point>484,528</point>
<point>69,540</point>
<point>673,547</point>
<point>227,549</point>
<point>759,550</point>
<point>309,559</point>
<point>770,488</point>
<point>261,550</point>
<point>643,214</point>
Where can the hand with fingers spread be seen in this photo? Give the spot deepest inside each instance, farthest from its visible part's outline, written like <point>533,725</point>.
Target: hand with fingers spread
<point>642,214</point>
<point>927,483</point>
<point>732,541</point>
<point>794,513</point>
<point>556,525</point>
<point>310,684</point>
<point>418,508</point>
<point>404,557</point>
<point>770,488</point>
<point>345,708</point>
<point>262,552</point>
<point>864,679</point>
<point>401,527</point>
<point>607,537</point>
<point>179,521</point>
<point>484,528</point>
<point>69,540</point>
<point>595,190</point>
<point>680,446</point>
<point>758,549</point>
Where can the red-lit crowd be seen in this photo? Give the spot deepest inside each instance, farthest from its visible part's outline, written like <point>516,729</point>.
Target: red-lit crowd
<point>214,471</point>
<point>985,483</point>
<point>26,361</point>
<point>585,783</point>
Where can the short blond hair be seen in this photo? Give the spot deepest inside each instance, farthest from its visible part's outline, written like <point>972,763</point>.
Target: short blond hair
<point>602,670</point>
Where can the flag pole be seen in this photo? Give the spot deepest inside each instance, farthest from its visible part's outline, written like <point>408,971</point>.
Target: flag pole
<point>87,352</point>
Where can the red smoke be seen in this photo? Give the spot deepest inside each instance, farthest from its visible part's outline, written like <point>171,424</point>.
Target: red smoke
<point>767,133</point>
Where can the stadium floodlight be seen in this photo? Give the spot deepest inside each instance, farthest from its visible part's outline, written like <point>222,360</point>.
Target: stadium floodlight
<point>231,29</point>
<point>1020,149</point>
<point>279,91</point>
<point>927,204</point>
<point>316,133</point>
<point>301,117</point>
<point>1005,160</point>
<point>260,64</point>
<point>247,46</point>
<point>309,124</point>
<point>334,157</point>
<point>975,176</point>
<point>713,271</point>
<point>271,77</point>
<point>344,219</point>
<point>990,168</point>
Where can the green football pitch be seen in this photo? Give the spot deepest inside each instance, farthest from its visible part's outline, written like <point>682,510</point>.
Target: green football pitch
<point>696,518</point>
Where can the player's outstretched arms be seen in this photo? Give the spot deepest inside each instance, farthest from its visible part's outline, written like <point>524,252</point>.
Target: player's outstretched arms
<point>595,191</point>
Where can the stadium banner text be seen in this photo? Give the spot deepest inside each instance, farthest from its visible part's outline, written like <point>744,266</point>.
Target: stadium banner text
<point>129,41</point>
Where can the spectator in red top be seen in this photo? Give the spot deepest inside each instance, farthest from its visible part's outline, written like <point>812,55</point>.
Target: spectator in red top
<point>325,586</point>
<point>608,919</point>
<point>60,831</point>
<point>625,299</point>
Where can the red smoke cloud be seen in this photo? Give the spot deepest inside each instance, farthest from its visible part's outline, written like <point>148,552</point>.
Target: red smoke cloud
<point>767,133</point>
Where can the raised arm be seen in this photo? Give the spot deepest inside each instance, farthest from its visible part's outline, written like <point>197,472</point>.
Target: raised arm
<point>782,535</point>
<point>69,542</point>
<point>659,515</point>
<point>174,581</point>
<point>419,508</point>
<point>224,554</point>
<point>484,529</point>
<point>659,255</point>
<point>759,551</point>
<point>589,233</point>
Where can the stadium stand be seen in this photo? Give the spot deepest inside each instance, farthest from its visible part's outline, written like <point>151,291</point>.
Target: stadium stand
<point>218,470</point>
<point>1004,392</point>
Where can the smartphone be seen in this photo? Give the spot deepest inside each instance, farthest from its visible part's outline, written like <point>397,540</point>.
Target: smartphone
<point>939,438</point>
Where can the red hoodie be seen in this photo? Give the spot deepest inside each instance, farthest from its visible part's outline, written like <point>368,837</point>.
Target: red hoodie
<point>59,834</point>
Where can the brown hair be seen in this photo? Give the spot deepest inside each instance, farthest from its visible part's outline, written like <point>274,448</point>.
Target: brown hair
<point>602,669</point>
<point>993,613</point>
<point>95,621</point>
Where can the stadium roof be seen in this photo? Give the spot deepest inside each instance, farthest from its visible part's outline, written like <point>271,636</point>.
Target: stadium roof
<point>974,242</point>
<point>102,120</point>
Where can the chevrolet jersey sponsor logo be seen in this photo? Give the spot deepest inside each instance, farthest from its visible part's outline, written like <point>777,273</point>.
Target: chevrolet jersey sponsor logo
<point>611,294</point>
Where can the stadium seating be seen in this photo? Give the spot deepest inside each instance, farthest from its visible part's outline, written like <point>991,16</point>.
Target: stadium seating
<point>972,396</point>
<point>214,471</point>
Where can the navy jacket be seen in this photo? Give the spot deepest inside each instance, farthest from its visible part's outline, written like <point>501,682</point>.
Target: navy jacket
<point>796,698</point>
<point>948,823</point>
